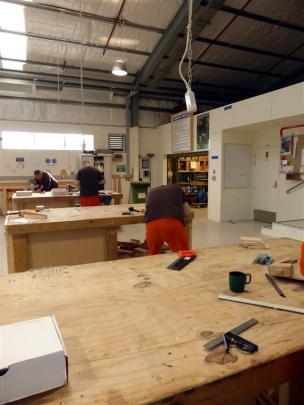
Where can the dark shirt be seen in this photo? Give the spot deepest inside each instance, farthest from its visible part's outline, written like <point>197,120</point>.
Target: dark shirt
<point>165,202</point>
<point>89,179</point>
<point>47,182</point>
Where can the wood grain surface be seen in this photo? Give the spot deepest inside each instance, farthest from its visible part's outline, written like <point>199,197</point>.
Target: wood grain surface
<point>134,330</point>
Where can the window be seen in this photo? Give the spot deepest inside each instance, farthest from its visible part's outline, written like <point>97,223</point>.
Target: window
<point>46,141</point>
<point>17,140</point>
<point>79,142</point>
<point>116,142</point>
<point>12,46</point>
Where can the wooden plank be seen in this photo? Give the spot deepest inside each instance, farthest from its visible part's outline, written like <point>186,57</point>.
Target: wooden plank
<point>261,304</point>
<point>134,331</point>
<point>54,201</point>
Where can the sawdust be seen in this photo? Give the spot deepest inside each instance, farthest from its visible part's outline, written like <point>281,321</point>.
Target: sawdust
<point>220,358</point>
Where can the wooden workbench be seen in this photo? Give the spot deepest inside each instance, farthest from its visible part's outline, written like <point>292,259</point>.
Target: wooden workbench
<point>50,200</point>
<point>68,236</point>
<point>134,330</point>
<point>8,188</point>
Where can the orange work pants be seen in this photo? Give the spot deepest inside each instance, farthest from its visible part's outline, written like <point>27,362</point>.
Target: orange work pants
<point>90,201</point>
<point>167,230</point>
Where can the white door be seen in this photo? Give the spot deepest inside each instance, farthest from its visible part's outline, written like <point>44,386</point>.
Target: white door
<point>266,177</point>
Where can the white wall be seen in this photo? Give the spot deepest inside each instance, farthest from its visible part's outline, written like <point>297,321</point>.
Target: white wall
<point>238,201</point>
<point>278,105</point>
<point>35,159</point>
<point>17,115</point>
<point>288,206</point>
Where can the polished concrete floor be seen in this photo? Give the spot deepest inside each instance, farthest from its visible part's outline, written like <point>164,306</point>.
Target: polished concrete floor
<point>204,233</point>
<point>298,223</point>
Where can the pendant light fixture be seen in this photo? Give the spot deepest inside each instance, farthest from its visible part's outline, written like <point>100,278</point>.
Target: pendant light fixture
<point>119,68</point>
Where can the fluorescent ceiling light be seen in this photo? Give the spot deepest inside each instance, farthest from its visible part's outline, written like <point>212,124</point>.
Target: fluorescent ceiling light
<point>121,42</point>
<point>119,68</point>
<point>12,46</point>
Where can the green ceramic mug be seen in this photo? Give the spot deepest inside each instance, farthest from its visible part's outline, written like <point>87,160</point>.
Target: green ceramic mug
<point>238,280</point>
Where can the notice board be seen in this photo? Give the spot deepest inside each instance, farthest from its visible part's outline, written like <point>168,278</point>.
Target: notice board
<point>237,165</point>
<point>181,126</point>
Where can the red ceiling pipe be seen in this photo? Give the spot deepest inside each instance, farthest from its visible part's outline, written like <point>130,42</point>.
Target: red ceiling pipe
<point>117,20</point>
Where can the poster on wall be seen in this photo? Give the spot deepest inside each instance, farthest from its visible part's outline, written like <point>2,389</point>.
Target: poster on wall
<point>181,127</point>
<point>292,150</point>
<point>19,162</point>
<point>202,132</point>
<point>286,145</point>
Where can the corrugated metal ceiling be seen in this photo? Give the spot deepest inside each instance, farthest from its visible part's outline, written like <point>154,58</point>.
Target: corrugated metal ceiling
<point>218,65</point>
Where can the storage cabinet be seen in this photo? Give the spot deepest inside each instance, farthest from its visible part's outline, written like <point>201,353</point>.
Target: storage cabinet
<point>190,171</point>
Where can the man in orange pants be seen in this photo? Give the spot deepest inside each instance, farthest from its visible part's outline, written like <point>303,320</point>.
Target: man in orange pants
<point>166,209</point>
<point>89,180</point>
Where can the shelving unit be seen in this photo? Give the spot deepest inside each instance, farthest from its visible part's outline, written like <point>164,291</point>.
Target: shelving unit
<point>190,171</point>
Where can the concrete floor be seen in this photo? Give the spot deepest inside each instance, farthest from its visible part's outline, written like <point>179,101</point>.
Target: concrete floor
<point>298,223</point>
<point>204,233</point>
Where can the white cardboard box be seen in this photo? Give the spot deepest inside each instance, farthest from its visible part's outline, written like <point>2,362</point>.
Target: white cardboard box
<point>33,358</point>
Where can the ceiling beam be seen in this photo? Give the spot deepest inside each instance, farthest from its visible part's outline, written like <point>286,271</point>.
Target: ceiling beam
<point>172,43</point>
<point>297,76</point>
<point>108,72</point>
<point>259,17</point>
<point>199,84</point>
<point>256,51</point>
<point>61,66</point>
<point>65,77</point>
<point>75,102</point>
<point>166,42</point>
<point>237,69</point>
<point>209,99</point>
<point>85,15</point>
<point>76,42</point>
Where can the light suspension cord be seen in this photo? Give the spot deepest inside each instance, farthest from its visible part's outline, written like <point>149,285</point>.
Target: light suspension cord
<point>81,72</point>
<point>188,49</point>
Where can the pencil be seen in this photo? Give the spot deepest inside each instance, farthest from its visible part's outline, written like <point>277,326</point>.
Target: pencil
<point>275,286</point>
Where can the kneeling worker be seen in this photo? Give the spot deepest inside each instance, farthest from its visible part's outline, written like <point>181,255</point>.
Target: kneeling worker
<point>89,180</point>
<point>166,209</point>
<point>44,181</point>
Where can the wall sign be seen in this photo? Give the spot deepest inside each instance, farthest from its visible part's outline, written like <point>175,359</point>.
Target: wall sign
<point>50,161</point>
<point>19,162</point>
<point>145,163</point>
<point>181,126</point>
<point>120,168</point>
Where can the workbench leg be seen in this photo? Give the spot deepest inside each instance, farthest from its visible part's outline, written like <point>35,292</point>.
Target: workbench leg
<point>17,257</point>
<point>296,389</point>
<point>283,394</point>
<point>4,201</point>
<point>189,233</point>
<point>111,242</point>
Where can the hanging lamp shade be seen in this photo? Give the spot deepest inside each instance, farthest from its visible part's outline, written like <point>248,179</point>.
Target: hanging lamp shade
<point>119,68</point>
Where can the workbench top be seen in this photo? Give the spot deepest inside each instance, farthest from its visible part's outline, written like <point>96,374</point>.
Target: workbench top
<point>49,194</point>
<point>45,195</point>
<point>134,330</point>
<point>75,217</point>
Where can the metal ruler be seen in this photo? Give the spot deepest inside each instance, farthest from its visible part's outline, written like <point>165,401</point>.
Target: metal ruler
<point>298,310</point>
<point>241,328</point>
